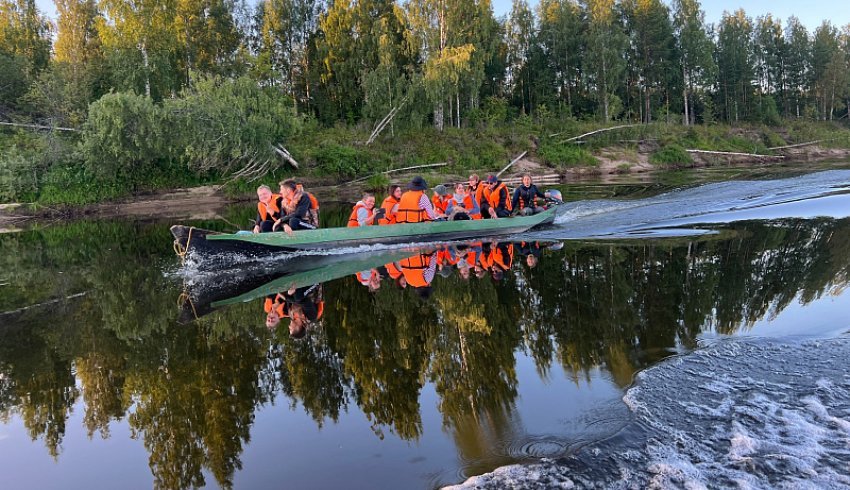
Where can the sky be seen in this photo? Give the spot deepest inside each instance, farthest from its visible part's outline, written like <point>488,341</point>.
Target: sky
<point>810,12</point>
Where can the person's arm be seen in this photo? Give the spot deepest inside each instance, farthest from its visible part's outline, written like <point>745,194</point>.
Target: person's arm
<point>364,217</point>
<point>515,200</point>
<point>450,207</point>
<point>425,205</point>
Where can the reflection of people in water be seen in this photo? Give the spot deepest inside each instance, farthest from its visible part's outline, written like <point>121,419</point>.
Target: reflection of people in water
<point>531,251</point>
<point>419,271</point>
<point>300,305</point>
<point>370,278</point>
<point>394,272</point>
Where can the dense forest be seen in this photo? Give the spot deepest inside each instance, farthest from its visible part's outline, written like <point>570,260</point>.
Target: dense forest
<point>166,89</point>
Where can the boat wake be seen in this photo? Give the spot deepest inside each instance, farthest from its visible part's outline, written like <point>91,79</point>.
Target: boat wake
<point>740,413</point>
<point>699,210</point>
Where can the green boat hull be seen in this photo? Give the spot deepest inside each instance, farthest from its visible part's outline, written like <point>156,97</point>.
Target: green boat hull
<point>203,242</point>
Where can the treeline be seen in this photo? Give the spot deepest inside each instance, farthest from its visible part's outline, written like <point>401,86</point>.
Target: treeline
<point>432,60</point>
<point>217,84</point>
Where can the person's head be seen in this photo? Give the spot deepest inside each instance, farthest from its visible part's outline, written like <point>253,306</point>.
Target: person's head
<point>395,191</point>
<point>497,273</point>
<point>418,184</point>
<point>531,261</point>
<point>288,187</point>
<point>401,282</point>
<point>463,270</point>
<point>368,200</point>
<point>374,283</point>
<point>492,180</point>
<point>441,190</point>
<point>264,193</point>
<point>480,271</point>
<point>526,180</point>
<point>473,180</point>
<point>272,319</point>
<point>459,189</point>
<point>297,327</point>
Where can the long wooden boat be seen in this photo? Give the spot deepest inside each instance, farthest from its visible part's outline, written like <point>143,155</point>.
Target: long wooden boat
<point>201,242</point>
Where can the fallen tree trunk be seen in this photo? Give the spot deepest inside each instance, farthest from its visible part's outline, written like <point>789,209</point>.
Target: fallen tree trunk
<point>594,132</point>
<point>733,154</point>
<point>512,162</point>
<point>798,145</point>
<point>361,179</point>
<point>284,153</point>
<point>38,126</point>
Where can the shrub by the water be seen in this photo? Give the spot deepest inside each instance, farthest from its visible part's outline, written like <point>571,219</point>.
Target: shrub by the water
<point>671,155</point>
<point>567,155</point>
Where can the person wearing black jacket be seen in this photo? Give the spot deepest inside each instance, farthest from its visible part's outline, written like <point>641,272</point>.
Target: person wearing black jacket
<point>296,204</point>
<point>525,197</point>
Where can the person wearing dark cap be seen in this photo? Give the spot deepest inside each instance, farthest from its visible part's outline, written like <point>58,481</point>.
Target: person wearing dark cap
<point>499,198</point>
<point>414,206</point>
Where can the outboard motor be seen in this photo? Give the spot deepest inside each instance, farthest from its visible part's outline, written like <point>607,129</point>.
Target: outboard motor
<point>554,196</point>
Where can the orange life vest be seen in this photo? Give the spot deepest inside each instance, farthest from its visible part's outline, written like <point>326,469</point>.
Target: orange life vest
<point>279,307</point>
<point>267,211</point>
<point>393,271</point>
<point>440,204</point>
<point>497,256</point>
<point>408,208</point>
<point>352,219</point>
<point>414,268</point>
<point>445,256</point>
<point>467,204</point>
<point>389,216</point>
<point>482,194</point>
<point>493,197</point>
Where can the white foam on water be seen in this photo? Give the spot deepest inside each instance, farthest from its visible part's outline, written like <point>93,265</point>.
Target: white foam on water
<point>743,413</point>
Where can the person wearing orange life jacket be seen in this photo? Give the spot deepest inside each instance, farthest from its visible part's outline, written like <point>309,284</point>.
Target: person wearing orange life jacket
<point>274,307</point>
<point>395,273</point>
<point>390,206</point>
<point>297,208</point>
<point>314,204</point>
<point>441,198</point>
<point>414,206</point>
<point>302,306</point>
<point>370,278</point>
<point>500,259</point>
<point>268,210</point>
<point>462,205</point>
<point>525,197</point>
<point>419,271</point>
<point>364,213</point>
<point>482,196</point>
<point>499,199</point>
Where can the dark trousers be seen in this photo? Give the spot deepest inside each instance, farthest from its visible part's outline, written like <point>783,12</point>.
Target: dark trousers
<point>266,226</point>
<point>298,224</point>
<point>502,213</point>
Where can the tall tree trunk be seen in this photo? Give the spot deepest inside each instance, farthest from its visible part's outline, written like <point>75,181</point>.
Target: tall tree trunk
<point>457,107</point>
<point>685,94</point>
<point>438,116</point>
<point>146,62</point>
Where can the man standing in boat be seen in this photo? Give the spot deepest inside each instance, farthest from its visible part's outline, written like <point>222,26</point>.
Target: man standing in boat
<point>297,207</point>
<point>414,206</point>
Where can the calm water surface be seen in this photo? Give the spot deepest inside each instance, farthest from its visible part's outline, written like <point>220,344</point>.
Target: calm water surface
<point>121,368</point>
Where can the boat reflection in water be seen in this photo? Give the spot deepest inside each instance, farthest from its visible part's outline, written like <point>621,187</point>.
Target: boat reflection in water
<point>291,289</point>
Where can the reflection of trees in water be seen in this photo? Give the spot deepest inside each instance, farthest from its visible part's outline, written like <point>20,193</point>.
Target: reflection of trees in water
<point>192,390</point>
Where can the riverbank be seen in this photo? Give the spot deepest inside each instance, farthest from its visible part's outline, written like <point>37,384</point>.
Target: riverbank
<point>207,201</point>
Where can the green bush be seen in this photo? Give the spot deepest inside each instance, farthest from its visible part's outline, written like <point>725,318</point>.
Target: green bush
<point>342,161</point>
<point>19,175</point>
<point>566,155</point>
<point>671,155</point>
<point>377,183</point>
<point>125,136</point>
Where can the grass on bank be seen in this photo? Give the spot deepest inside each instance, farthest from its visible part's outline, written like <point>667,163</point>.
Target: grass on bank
<point>48,169</point>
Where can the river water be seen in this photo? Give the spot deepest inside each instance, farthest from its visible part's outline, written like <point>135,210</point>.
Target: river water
<point>661,334</point>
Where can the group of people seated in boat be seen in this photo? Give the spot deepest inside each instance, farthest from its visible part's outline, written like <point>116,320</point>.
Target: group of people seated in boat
<point>296,209</point>
<point>475,200</point>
